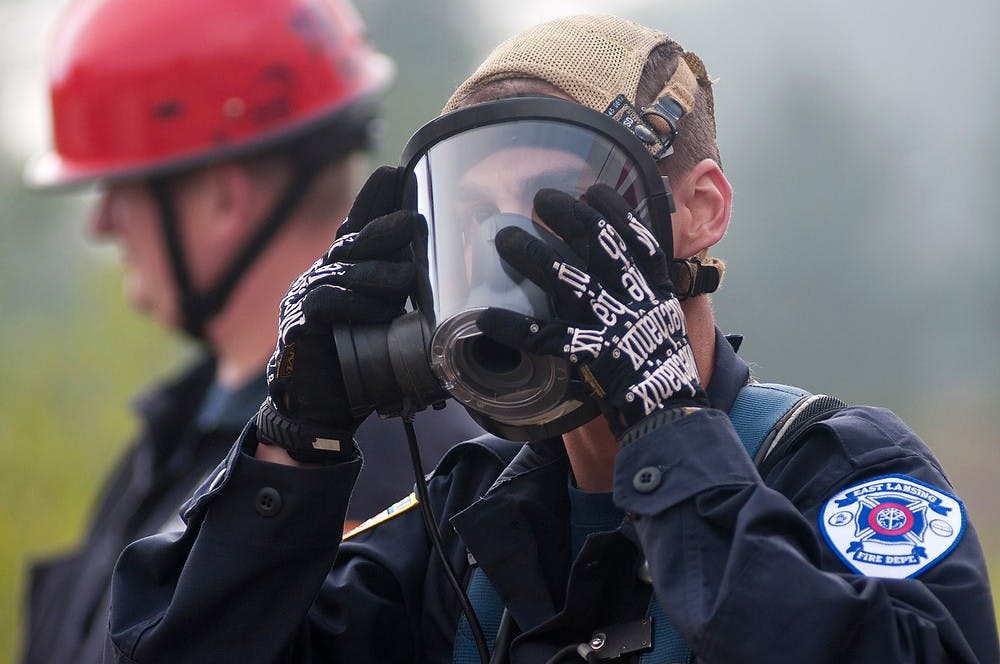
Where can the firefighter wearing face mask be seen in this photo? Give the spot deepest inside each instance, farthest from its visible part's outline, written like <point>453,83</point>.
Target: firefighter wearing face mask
<point>667,507</point>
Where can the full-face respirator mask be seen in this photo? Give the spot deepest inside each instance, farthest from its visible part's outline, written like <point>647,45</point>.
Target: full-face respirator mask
<point>471,173</point>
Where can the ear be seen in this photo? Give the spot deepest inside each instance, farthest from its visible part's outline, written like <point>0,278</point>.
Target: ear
<point>102,222</point>
<point>235,202</point>
<point>703,198</point>
<point>226,207</point>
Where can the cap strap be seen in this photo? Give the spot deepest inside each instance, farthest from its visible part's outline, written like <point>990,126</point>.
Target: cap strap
<point>682,86</point>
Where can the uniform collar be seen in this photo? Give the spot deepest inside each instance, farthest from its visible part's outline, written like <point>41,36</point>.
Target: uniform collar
<point>167,409</point>
<point>228,410</point>
<point>517,531</point>
<point>729,374</point>
<point>175,413</point>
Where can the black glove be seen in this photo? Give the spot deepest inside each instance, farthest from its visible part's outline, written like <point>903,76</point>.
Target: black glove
<point>365,277</point>
<point>619,320</point>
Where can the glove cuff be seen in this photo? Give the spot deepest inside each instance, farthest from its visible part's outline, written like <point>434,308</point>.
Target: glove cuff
<point>303,440</point>
<point>655,421</point>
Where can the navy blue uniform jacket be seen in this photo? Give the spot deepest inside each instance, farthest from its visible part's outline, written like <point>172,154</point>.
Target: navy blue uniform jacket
<point>738,561</point>
<point>67,611</point>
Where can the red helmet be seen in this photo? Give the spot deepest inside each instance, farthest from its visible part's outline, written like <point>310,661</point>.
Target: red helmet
<point>143,88</point>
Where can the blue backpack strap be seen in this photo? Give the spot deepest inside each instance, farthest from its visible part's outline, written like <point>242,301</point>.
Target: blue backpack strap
<point>668,645</point>
<point>758,407</point>
<point>488,608</point>
<point>757,411</point>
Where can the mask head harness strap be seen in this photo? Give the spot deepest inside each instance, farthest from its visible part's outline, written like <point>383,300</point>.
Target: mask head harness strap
<point>672,103</point>
<point>656,125</point>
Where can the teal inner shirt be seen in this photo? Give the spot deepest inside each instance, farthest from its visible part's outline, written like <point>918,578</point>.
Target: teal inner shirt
<point>589,513</point>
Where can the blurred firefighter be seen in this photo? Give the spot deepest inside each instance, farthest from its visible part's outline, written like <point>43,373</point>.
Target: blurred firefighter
<point>227,137</point>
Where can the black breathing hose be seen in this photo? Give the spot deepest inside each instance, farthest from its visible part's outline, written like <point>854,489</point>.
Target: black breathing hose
<point>425,511</point>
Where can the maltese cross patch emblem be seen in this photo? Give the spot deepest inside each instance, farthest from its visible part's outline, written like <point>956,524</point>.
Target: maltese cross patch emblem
<point>893,526</point>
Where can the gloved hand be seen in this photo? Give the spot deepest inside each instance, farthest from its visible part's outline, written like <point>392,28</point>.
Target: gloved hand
<point>619,320</point>
<point>365,277</point>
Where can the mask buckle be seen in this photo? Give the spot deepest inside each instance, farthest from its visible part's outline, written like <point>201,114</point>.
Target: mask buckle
<point>663,115</point>
<point>691,277</point>
<point>624,113</point>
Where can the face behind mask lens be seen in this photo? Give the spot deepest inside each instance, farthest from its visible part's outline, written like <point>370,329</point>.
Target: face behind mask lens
<point>476,171</point>
<point>507,385</point>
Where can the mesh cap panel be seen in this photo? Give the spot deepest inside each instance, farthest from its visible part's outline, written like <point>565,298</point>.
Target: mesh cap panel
<point>593,58</point>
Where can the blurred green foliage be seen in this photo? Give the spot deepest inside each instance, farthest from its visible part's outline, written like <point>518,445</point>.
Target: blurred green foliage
<point>72,356</point>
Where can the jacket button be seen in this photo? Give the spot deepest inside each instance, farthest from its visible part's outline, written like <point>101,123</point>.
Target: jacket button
<point>647,479</point>
<point>267,502</point>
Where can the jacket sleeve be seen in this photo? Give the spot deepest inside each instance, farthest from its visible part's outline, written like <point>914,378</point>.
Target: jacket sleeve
<point>239,583</point>
<point>743,573</point>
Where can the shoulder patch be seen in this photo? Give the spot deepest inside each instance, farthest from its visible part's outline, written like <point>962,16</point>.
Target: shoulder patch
<point>892,526</point>
<point>395,509</point>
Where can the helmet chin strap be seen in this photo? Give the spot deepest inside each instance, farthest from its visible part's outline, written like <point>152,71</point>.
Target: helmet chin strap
<point>197,309</point>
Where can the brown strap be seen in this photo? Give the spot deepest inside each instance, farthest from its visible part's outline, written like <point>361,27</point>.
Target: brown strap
<point>674,101</point>
<point>693,277</point>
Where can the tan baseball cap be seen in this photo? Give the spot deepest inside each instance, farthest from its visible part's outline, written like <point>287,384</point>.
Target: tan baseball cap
<point>593,58</point>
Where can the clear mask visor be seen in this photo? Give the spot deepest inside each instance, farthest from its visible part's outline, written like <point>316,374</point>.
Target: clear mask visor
<point>469,186</point>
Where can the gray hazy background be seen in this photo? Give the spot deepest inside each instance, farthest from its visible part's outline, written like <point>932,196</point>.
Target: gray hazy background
<point>862,143</point>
